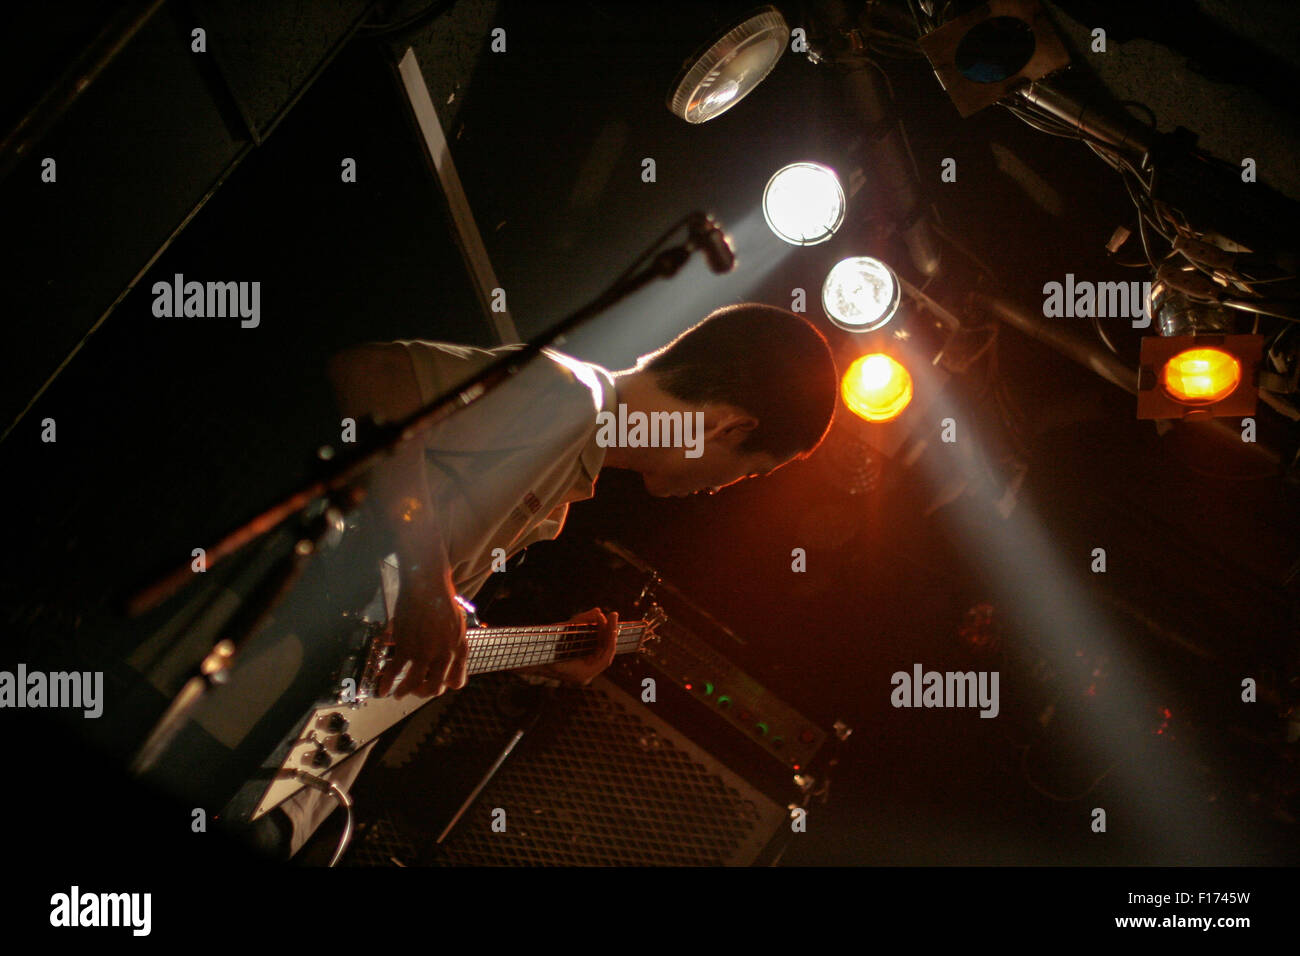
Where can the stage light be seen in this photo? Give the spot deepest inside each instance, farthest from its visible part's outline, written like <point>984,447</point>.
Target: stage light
<point>876,387</point>
<point>803,203</point>
<point>860,294</point>
<point>1198,375</point>
<point>715,80</point>
<point>991,50</point>
<point>1201,376</point>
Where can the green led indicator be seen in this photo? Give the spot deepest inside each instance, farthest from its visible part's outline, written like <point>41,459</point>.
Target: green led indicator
<point>761,728</point>
<point>708,689</point>
<point>724,701</point>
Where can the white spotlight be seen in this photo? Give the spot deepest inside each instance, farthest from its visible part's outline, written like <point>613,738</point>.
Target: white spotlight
<point>726,72</point>
<point>860,294</point>
<point>803,203</point>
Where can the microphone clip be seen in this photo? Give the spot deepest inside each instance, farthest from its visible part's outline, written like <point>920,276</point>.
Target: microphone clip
<point>706,234</point>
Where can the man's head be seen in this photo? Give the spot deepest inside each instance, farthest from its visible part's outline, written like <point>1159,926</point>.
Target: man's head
<point>763,380</point>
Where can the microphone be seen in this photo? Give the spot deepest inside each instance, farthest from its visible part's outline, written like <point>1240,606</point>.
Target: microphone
<point>708,235</point>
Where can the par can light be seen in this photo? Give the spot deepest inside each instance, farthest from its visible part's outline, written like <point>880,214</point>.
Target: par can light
<point>1201,376</point>
<point>803,203</point>
<point>1184,376</point>
<point>876,387</point>
<point>860,294</point>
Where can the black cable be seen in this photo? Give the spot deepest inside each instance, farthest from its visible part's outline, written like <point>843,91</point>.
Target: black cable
<point>432,11</point>
<point>1242,305</point>
<point>650,251</point>
<point>1146,247</point>
<point>1024,767</point>
<point>916,18</point>
<point>1042,124</point>
<point>943,233</point>
<point>897,53</point>
<point>1142,106</point>
<point>1101,334</point>
<point>902,47</point>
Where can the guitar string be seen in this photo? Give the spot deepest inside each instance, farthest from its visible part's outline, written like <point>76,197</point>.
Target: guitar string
<point>545,654</point>
<point>493,648</point>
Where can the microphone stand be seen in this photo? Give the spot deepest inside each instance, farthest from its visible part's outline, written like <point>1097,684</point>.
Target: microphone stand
<point>337,492</point>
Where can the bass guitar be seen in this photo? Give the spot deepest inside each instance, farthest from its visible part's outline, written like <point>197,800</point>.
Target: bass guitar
<point>354,714</point>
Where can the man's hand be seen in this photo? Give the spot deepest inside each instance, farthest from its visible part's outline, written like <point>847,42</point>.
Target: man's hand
<point>583,670</point>
<point>429,632</point>
<point>428,625</point>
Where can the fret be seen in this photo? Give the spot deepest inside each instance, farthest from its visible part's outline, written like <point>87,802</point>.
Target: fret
<point>508,648</point>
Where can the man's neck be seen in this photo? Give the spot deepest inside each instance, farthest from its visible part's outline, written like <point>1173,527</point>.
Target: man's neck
<point>638,391</point>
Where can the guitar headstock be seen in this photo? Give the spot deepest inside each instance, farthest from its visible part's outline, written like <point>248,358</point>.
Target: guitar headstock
<point>654,617</point>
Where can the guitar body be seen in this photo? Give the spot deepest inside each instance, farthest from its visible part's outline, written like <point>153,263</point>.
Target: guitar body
<point>352,715</point>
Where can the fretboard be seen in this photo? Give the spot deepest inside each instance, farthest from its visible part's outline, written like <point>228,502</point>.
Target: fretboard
<point>509,648</point>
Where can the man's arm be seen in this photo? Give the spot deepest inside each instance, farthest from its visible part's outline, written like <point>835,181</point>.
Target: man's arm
<point>428,625</point>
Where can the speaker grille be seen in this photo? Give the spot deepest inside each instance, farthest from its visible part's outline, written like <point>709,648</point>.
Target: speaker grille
<point>614,786</point>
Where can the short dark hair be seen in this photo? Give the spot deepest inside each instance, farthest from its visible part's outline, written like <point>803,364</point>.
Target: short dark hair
<point>763,360</point>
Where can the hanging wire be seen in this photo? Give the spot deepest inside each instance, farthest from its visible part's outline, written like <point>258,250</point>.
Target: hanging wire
<point>419,18</point>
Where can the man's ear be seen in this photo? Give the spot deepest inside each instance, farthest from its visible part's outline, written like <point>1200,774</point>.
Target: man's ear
<point>729,425</point>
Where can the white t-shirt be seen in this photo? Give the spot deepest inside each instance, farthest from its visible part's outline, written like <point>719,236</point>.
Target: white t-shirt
<point>503,471</point>
<point>501,474</point>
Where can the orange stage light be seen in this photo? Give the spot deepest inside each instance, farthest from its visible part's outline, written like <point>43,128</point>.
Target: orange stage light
<point>876,387</point>
<point>1198,376</point>
<point>1201,376</point>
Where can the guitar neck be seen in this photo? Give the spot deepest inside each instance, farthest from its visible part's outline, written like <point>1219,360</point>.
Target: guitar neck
<point>510,648</point>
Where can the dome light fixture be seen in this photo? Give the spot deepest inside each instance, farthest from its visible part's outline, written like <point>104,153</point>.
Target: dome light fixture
<point>860,294</point>
<point>723,74</point>
<point>803,203</point>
